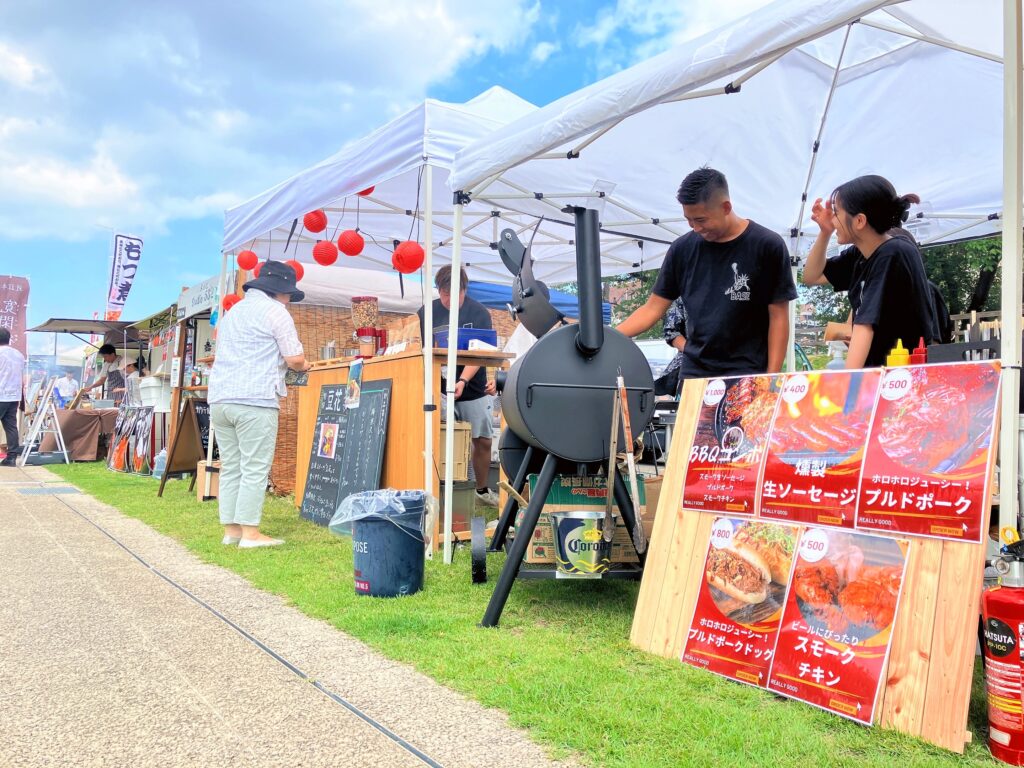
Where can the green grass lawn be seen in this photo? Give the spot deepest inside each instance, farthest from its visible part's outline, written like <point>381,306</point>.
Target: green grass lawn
<point>560,664</point>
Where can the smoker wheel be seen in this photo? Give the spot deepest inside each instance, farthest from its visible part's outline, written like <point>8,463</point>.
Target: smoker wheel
<point>478,549</point>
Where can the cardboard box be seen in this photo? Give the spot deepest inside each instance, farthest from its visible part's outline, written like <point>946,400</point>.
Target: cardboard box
<point>570,492</point>
<point>652,488</point>
<point>461,452</point>
<point>201,471</point>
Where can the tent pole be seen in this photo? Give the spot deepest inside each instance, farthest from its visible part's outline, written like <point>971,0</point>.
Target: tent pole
<point>208,475</point>
<point>450,378</point>
<point>795,233</point>
<point>1013,189</point>
<point>428,346</point>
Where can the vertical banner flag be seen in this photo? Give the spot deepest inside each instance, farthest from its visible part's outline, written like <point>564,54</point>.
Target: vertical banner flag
<point>13,309</point>
<point>127,253</point>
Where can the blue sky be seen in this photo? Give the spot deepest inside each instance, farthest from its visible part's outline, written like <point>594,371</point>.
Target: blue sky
<point>152,118</point>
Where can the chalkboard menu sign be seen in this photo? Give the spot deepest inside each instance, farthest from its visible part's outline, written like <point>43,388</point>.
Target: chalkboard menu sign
<point>203,419</point>
<point>347,455</point>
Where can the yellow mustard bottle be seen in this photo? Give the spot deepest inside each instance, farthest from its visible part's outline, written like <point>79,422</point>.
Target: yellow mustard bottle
<point>898,356</point>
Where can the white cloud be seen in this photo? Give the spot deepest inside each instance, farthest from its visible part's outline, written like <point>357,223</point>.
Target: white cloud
<point>659,26</point>
<point>18,70</point>
<point>542,51</point>
<point>177,109</point>
<point>96,183</point>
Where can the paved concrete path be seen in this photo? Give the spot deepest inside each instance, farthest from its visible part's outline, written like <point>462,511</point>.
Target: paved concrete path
<point>104,663</point>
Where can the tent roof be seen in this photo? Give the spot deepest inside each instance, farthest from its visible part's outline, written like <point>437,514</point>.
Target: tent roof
<point>908,104</point>
<point>66,325</point>
<point>392,160</point>
<point>162,319</point>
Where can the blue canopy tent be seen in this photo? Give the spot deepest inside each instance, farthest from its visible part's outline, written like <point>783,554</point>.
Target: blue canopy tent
<point>495,296</point>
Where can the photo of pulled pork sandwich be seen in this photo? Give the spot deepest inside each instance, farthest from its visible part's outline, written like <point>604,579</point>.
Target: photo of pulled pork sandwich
<point>739,572</point>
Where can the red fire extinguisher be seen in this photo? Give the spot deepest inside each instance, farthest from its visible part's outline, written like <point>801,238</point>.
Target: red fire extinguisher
<point>1002,628</point>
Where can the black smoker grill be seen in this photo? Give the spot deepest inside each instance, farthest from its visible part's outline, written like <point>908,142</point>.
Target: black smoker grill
<point>557,398</point>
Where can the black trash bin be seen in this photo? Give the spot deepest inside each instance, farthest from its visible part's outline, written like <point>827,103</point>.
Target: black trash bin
<point>387,543</point>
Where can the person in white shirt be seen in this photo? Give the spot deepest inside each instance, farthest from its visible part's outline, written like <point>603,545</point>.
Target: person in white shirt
<point>129,394</point>
<point>256,344</point>
<point>66,388</point>
<point>110,374</point>
<point>12,372</point>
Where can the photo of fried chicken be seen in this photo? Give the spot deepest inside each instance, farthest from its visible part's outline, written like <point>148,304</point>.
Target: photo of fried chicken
<point>844,595</point>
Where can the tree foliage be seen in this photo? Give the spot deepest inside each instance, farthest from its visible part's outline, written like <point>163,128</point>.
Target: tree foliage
<point>956,269</point>
<point>637,288</point>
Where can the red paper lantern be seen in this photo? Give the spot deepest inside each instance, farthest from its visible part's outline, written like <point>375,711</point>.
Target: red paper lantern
<point>325,253</point>
<point>351,243</point>
<point>299,271</point>
<point>229,301</point>
<point>408,257</point>
<point>365,192</point>
<point>315,221</point>
<point>257,268</point>
<point>247,260</point>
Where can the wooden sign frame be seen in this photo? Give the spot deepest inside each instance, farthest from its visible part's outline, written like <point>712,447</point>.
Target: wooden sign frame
<point>927,681</point>
<point>186,448</point>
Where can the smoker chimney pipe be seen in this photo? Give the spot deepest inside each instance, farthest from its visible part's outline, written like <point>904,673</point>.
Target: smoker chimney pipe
<point>590,335</point>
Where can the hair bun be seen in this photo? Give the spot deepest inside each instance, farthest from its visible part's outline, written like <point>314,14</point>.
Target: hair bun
<point>902,205</point>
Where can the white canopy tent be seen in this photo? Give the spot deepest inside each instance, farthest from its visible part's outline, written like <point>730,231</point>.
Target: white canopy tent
<point>407,163</point>
<point>789,102</point>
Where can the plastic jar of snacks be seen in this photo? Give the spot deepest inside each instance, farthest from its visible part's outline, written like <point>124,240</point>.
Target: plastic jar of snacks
<point>365,311</point>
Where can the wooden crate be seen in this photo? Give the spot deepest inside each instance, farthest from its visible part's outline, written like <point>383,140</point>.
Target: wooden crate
<point>927,682</point>
<point>461,453</point>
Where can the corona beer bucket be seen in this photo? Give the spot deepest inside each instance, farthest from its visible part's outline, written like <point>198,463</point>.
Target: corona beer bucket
<point>580,549</point>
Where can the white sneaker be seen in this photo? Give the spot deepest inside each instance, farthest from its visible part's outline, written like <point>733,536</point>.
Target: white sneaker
<point>229,541</point>
<point>489,499</point>
<point>253,543</point>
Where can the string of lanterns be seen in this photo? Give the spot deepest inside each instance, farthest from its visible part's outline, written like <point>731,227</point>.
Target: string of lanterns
<point>407,257</point>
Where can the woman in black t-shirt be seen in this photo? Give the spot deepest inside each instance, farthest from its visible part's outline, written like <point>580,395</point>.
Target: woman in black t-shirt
<point>882,275</point>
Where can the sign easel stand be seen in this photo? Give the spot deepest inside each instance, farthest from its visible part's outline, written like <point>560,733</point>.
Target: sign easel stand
<point>186,449</point>
<point>44,422</point>
<point>926,685</point>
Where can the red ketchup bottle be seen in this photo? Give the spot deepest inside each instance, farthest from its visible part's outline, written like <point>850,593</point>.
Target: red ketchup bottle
<point>920,355</point>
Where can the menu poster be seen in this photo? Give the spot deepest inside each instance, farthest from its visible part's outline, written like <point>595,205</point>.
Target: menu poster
<point>929,455</point>
<point>838,619</point>
<point>817,446</point>
<point>728,446</point>
<point>739,606</point>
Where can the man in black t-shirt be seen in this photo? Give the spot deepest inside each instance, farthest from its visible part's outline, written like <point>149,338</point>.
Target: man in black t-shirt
<point>472,393</point>
<point>735,282</point>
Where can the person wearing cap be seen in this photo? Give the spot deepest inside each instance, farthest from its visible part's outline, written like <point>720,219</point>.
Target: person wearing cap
<point>129,393</point>
<point>256,344</point>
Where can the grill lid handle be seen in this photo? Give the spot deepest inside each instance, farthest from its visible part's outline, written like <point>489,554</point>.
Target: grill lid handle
<point>530,302</point>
